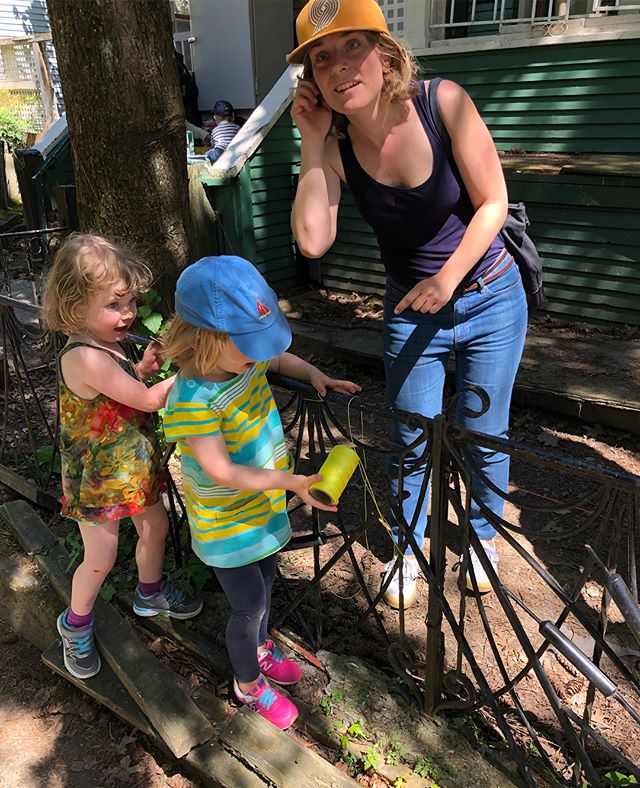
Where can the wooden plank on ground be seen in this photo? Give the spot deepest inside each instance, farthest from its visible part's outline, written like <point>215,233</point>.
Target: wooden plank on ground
<point>215,657</point>
<point>26,488</point>
<point>278,757</point>
<point>105,688</point>
<point>217,767</point>
<point>212,765</point>
<point>151,684</point>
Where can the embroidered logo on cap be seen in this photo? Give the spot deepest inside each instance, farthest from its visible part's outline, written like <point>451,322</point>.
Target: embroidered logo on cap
<point>263,311</point>
<point>322,13</point>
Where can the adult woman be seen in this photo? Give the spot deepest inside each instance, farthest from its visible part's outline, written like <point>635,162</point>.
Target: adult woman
<point>437,211</point>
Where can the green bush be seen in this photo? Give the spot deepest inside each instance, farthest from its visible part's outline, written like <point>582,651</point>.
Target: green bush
<point>13,128</point>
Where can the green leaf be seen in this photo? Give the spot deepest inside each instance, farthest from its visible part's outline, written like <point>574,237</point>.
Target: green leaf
<point>370,760</point>
<point>153,322</point>
<point>44,455</point>
<point>619,779</point>
<point>108,591</point>
<point>152,297</point>
<point>356,729</point>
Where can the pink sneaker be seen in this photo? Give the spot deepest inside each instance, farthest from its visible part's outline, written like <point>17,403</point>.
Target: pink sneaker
<point>275,666</point>
<point>268,703</point>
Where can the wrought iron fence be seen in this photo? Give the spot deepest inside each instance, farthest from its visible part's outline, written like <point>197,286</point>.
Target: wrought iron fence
<point>567,638</point>
<point>27,365</point>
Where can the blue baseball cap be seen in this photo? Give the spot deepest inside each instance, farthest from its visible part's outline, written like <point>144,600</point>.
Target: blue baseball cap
<point>222,107</point>
<point>229,294</point>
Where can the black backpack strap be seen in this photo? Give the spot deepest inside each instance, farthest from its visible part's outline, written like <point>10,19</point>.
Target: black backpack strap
<point>432,97</point>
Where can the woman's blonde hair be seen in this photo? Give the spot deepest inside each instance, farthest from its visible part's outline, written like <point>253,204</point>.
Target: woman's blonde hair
<point>400,81</point>
<point>84,265</point>
<point>184,343</point>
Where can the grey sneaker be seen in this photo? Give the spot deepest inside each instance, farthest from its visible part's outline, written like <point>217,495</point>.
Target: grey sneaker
<point>79,650</point>
<point>169,600</point>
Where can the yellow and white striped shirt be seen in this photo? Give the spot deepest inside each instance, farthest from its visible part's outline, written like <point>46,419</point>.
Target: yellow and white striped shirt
<point>231,527</point>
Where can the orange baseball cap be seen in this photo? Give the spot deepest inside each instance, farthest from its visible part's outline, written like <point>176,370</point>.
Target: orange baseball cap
<point>320,18</point>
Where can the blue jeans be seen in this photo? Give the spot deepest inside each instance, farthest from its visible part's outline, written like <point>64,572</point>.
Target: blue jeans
<point>486,330</point>
<point>214,154</point>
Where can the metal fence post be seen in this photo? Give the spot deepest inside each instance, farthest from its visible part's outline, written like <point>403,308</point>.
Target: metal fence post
<point>437,525</point>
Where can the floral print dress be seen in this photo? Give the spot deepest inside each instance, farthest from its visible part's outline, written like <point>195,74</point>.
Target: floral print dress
<point>111,462</point>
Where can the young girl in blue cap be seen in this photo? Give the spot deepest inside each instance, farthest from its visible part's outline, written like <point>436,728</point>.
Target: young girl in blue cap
<point>227,332</point>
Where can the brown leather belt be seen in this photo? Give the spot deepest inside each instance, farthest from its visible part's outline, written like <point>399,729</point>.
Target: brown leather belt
<point>493,272</point>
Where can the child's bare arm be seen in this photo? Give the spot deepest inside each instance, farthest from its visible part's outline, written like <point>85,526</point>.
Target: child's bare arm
<point>211,453</point>
<point>89,372</point>
<point>294,367</point>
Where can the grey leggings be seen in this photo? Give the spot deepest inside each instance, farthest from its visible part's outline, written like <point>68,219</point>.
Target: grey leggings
<point>248,590</point>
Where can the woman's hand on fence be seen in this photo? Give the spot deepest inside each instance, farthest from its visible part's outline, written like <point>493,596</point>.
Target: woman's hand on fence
<point>300,486</point>
<point>429,295</point>
<point>322,382</point>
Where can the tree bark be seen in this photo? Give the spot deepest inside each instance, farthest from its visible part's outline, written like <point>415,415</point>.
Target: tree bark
<point>127,127</point>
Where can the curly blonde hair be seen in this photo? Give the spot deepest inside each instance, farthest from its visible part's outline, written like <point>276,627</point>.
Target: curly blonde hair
<point>400,81</point>
<point>184,343</point>
<point>84,265</point>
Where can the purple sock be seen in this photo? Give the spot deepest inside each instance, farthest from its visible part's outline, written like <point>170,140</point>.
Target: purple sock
<point>148,589</point>
<point>74,620</point>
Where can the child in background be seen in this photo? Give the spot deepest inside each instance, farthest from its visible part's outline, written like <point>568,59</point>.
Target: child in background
<point>228,331</point>
<point>108,447</point>
<point>224,130</point>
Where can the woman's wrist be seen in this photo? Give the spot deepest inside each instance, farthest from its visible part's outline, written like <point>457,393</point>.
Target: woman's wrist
<point>312,149</point>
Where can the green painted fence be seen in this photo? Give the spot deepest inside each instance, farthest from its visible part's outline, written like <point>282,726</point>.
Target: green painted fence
<point>254,208</point>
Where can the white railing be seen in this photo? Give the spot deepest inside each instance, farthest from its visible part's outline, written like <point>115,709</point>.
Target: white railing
<point>459,13</point>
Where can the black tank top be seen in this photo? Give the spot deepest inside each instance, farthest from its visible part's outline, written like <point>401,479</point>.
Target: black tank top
<point>417,229</point>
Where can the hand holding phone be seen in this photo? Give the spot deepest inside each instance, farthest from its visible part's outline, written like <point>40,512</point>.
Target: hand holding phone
<point>309,111</point>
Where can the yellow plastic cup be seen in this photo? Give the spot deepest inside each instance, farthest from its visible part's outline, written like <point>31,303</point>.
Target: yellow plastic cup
<point>336,471</point>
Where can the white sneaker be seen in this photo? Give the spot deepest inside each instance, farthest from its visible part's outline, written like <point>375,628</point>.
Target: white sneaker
<point>482,580</point>
<point>410,572</point>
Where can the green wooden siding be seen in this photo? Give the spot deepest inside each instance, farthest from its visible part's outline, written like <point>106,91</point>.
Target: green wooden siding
<point>254,209</point>
<point>587,229</point>
<point>557,98</point>
<point>271,173</point>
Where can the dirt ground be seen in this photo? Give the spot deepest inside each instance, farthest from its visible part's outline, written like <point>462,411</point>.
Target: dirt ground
<point>70,737</point>
<point>53,736</point>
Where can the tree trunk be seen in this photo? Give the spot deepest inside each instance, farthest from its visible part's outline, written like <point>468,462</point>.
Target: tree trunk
<point>127,127</point>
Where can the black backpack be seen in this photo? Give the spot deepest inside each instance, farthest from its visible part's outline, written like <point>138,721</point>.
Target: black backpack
<point>514,229</point>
